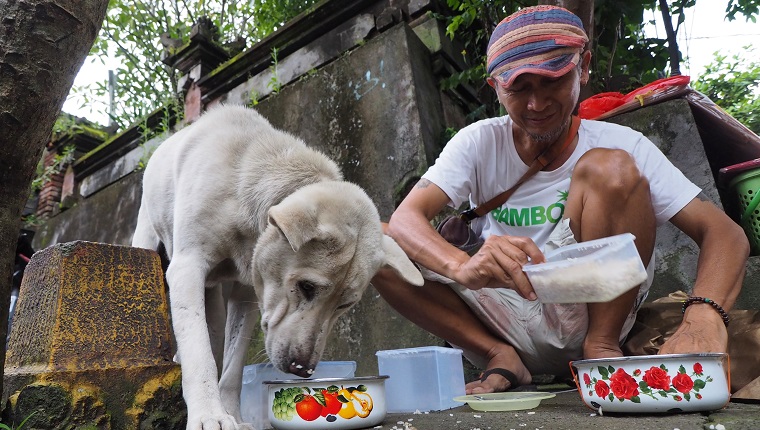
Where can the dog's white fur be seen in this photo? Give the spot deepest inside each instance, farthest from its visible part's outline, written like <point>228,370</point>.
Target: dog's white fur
<point>233,199</point>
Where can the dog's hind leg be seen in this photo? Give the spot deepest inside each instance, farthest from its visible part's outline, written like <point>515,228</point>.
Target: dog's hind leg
<point>241,319</point>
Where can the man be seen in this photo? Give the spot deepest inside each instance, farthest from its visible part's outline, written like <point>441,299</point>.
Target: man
<point>620,183</point>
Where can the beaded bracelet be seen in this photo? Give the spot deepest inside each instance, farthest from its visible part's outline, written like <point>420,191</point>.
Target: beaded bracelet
<point>715,306</point>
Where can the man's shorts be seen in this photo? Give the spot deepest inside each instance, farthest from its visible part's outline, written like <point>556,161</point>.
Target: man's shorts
<point>546,335</point>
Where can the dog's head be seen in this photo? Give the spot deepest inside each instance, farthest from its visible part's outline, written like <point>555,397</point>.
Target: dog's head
<point>322,247</point>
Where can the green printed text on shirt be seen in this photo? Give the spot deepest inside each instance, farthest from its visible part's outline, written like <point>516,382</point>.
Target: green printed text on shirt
<point>534,215</point>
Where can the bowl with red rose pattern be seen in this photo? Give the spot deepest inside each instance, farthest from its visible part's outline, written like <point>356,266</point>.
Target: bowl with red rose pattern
<point>667,383</point>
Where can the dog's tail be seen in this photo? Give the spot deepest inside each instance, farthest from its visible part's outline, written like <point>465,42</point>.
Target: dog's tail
<point>145,235</point>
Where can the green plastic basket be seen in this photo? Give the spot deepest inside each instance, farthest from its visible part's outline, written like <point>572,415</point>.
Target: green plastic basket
<point>747,187</point>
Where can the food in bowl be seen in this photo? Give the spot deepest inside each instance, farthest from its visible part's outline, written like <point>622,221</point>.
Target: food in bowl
<point>597,270</point>
<point>327,403</point>
<point>654,383</point>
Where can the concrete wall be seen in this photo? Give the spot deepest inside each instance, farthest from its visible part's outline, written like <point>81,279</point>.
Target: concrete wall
<point>672,128</point>
<point>377,111</point>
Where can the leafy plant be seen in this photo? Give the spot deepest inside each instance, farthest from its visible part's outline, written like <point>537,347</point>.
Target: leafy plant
<point>623,57</point>
<point>20,426</point>
<point>60,161</point>
<point>748,8</point>
<point>63,124</point>
<point>133,32</point>
<point>734,85</point>
<point>253,98</point>
<point>30,221</point>
<point>145,157</point>
<point>147,133</point>
<point>274,82</point>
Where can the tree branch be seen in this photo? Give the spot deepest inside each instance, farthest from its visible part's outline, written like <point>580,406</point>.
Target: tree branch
<point>189,13</point>
<point>675,62</point>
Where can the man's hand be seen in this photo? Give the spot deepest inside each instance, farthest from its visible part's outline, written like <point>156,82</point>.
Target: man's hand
<point>702,330</point>
<point>498,264</point>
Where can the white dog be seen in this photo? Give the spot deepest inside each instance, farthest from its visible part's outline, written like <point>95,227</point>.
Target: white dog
<point>233,199</point>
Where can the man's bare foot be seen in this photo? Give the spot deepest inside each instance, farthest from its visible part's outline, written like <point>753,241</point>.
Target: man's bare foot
<point>505,357</point>
<point>601,349</point>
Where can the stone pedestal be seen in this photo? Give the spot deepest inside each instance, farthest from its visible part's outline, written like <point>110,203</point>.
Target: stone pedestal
<point>91,345</point>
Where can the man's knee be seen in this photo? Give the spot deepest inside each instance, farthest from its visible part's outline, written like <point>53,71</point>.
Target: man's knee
<point>612,171</point>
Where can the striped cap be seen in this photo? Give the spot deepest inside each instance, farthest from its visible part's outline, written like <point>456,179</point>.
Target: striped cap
<point>546,40</point>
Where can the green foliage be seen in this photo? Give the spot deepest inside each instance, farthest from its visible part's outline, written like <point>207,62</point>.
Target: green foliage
<point>253,98</point>
<point>20,426</point>
<point>60,161</point>
<point>622,57</point>
<point>145,157</point>
<point>30,222</point>
<point>63,124</point>
<point>471,22</point>
<point>748,8</point>
<point>147,133</point>
<point>734,85</point>
<point>274,82</point>
<point>132,34</point>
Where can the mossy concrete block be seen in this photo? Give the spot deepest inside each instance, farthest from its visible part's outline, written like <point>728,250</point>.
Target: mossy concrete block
<point>86,305</point>
<point>91,345</point>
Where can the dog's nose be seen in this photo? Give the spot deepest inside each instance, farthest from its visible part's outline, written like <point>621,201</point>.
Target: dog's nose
<point>303,370</point>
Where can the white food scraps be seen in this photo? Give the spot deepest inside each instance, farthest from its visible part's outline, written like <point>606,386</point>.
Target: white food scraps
<point>588,282</point>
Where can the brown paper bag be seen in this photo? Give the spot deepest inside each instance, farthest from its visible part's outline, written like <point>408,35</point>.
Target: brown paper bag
<point>658,320</point>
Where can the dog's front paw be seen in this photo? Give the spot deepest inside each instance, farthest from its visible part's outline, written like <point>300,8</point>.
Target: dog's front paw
<point>213,422</point>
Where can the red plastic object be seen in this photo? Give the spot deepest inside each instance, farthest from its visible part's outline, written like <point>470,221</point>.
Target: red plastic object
<point>659,84</point>
<point>600,103</point>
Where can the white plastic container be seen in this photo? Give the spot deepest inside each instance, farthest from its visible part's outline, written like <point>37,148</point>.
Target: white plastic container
<point>422,379</point>
<point>254,394</point>
<point>594,271</point>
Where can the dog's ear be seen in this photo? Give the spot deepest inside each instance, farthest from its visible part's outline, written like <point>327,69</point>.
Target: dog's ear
<point>296,221</point>
<point>397,260</point>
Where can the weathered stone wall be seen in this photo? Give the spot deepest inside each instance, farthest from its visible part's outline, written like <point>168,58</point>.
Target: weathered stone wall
<point>108,216</point>
<point>377,111</point>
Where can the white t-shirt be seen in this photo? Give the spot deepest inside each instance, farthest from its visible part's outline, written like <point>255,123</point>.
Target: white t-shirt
<point>481,161</point>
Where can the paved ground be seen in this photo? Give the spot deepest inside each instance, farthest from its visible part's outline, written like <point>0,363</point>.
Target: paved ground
<point>566,411</point>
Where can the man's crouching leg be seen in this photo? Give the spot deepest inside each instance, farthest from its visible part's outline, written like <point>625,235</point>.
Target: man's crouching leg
<point>608,195</point>
<point>436,308</point>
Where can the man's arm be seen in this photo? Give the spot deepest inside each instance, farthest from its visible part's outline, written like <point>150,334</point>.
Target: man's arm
<point>410,227</point>
<point>723,253</point>
<point>498,263</point>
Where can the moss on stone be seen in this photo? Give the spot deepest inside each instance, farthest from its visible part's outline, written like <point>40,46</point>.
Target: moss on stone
<point>66,248</point>
<point>46,405</point>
